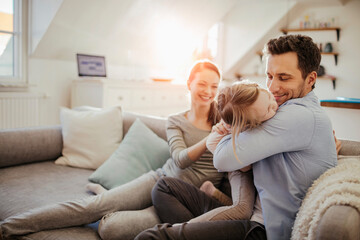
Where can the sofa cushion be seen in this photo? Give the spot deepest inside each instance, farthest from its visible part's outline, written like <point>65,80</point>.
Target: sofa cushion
<point>25,145</point>
<point>34,185</point>
<point>140,151</point>
<point>89,137</point>
<point>156,124</point>
<point>350,148</point>
<point>339,222</point>
<point>78,233</point>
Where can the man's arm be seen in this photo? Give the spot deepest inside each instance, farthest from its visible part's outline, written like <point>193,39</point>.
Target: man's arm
<point>291,129</point>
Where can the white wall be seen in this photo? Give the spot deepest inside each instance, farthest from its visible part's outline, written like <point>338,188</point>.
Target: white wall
<point>41,14</point>
<point>244,27</point>
<point>53,78</point>
<point>346,122</point>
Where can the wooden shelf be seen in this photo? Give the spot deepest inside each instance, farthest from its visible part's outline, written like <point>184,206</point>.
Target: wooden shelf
<point>337,29</point>
<point>335,54</point>
<point>328,77</point>
<point>351,105</point>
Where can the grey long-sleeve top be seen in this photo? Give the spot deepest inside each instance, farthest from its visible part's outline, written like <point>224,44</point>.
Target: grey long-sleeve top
<point>181,135</point>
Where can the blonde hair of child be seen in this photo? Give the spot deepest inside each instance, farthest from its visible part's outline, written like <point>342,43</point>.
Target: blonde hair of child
<point>234,107</point>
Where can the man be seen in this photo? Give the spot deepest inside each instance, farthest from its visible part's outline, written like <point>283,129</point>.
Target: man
<point>288,152</point>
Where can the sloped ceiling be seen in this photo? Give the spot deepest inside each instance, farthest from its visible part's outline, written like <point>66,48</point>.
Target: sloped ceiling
<point>126,29</point>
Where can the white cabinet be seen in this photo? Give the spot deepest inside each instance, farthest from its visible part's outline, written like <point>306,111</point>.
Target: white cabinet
<point>155,98</point>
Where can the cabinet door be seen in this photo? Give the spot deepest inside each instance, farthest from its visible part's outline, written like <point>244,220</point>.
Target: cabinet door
<point>171,97</point>
<point>87,94</point>
<point>119,97</point>
<point>144,98</point>
<point>181,99</point>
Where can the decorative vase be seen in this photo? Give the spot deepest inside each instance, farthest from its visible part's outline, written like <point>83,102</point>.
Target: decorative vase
<point>328,48</point>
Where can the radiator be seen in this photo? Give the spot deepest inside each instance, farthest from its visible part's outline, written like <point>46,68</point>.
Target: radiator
<point>21,109</point>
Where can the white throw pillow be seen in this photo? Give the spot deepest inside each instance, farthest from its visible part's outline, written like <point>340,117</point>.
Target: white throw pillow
<point>89,137</point>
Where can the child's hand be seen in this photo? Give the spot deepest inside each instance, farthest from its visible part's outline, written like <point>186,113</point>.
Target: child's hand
<point>245,169</point>
<point>337,143</point>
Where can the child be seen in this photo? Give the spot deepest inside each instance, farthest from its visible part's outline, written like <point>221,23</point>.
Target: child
<point>242,106</point>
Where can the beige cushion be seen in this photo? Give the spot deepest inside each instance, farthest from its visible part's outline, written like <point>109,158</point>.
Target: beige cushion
<point>339,222</point>
<point>89,137</point>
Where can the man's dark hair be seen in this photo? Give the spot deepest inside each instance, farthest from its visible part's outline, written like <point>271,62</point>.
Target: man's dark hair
<point>308,53</point>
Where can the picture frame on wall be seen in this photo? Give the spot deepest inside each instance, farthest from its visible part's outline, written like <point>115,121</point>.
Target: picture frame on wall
<point>91,65</point>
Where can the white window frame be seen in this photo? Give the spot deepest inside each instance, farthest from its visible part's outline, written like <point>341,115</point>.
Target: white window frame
<point>19,78</point>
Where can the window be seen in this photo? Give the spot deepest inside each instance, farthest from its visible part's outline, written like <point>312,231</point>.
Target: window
<point>210,45</point>
<point>12,43</point>
<point>212,40</point>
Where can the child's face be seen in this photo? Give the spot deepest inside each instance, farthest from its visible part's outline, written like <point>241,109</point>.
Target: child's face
<point>264,107</point>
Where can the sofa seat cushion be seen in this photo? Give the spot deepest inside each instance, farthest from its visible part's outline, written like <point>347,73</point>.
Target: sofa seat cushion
<point>78,233</point>
<point>33,185</point>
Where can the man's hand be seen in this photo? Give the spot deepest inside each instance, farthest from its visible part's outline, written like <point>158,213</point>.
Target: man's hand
<point>337,143</point>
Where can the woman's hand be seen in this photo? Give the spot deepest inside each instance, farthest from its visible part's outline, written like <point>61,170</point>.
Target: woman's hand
<point>222,128</point>
<point>218,132</point>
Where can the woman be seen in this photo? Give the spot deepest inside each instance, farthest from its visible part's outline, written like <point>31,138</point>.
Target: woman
<point>127,210</point>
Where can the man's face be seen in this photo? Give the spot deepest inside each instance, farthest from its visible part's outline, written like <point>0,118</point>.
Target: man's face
<point>284,79</point>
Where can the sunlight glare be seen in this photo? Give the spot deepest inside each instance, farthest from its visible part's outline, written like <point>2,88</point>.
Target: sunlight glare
<point>174,42</point>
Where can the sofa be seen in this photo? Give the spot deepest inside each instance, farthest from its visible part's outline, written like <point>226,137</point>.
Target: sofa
<point>29,179</point>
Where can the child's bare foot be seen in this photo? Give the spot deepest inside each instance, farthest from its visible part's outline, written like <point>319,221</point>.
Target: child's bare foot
<point>95,188</point>
<point>208,188</point>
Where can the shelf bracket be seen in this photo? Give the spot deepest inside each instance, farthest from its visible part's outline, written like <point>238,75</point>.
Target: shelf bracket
<point>336,59</point>
<point>334,83</point>
<point>338,34</point>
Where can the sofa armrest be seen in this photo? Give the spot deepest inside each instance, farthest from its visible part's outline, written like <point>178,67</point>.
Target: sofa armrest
<point>26,145</point>
<point>339,222</point>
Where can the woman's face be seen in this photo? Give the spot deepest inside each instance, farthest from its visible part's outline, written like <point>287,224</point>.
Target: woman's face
<point>264,107</point>
<point>203,88</point>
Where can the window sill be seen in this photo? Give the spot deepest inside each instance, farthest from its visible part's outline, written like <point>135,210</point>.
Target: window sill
<point>14,87</point>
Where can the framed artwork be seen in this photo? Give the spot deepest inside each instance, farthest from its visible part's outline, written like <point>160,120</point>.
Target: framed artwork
<point>91,66</point>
